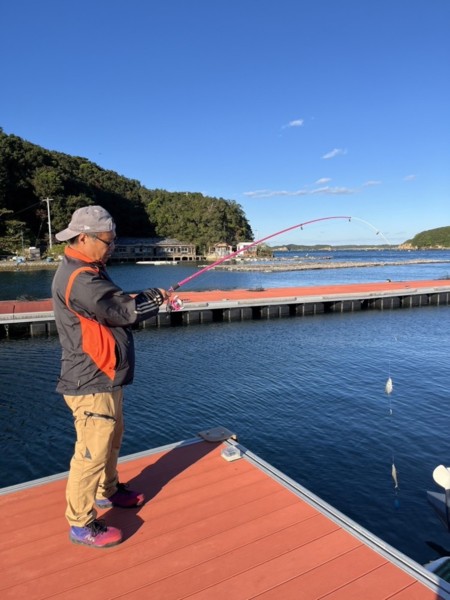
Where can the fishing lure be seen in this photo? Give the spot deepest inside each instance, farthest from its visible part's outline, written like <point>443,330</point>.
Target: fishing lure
<point>389,386</point>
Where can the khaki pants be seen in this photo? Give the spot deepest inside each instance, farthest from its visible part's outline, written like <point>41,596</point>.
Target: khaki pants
<point>93,468</point>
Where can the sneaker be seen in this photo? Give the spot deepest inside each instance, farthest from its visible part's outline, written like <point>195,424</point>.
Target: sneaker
<point>124,498</point>
<point>96,534</point>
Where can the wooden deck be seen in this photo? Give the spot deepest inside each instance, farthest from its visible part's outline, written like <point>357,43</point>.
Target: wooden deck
<point>209,529</point>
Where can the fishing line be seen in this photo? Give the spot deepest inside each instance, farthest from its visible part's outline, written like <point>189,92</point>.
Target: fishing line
<point>377,231</point>
<point>388,388</point>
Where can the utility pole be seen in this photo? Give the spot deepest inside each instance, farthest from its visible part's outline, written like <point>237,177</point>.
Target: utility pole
<point>48,200</point>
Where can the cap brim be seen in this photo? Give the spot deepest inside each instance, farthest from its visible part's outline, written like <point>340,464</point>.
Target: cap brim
<point>66,234</point>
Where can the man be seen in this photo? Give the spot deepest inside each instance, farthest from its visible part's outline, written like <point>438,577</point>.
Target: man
<point>93,317</point>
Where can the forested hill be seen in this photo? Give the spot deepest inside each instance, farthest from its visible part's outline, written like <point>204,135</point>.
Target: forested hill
<point>30,173</point>
<point>432,238</point>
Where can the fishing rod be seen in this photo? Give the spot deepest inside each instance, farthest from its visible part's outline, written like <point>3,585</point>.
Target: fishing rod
<point>176,304</point>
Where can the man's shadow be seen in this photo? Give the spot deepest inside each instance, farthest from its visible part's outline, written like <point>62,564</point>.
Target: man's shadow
<point>153,478</point>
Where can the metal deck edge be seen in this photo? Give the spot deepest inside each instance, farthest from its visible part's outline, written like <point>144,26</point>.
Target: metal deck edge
<point>407,564</point>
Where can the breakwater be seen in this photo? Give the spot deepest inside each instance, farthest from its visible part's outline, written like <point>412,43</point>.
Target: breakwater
<point>308,265</point>
<point>249,265</point>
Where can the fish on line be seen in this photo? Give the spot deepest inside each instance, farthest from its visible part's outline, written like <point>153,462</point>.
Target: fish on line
<point>394,476</point>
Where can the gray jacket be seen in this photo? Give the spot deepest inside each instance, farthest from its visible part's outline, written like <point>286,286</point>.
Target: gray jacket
<point>94,317</point>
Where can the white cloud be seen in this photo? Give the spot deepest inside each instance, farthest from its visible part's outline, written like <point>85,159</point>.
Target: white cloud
<point>294,123</point>
<point>332,191</point>
<point>409,178</point>
<point>371,182</point>
<point>271,193</point>
<point>323,181</point>
<point>335,152</point>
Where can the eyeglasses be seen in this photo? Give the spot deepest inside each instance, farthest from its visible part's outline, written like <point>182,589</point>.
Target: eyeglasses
<point>109,244</point>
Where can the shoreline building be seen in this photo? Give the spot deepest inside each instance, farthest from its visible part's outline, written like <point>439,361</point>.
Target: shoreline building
<point>153,249</point>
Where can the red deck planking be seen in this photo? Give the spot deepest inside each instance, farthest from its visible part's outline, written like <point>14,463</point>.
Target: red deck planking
<point>394,287</point>
<point>209,529</point>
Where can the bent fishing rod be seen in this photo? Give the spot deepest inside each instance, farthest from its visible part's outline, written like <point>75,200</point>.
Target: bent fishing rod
<point>176,304</point>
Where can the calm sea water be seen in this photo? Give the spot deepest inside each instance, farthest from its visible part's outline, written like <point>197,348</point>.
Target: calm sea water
<point>137,277</point>
<point>307,394</point>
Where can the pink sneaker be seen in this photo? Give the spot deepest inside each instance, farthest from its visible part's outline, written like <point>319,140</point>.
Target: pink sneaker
<point>123,498</point>
<point>96,534</point>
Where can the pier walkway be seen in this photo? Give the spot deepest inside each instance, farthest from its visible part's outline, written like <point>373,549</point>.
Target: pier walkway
<point>239,304</point>
<point>210,528</point>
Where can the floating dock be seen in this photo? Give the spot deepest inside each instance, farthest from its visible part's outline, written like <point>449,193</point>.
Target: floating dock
<point>210,528</point>
<point>36,317</point>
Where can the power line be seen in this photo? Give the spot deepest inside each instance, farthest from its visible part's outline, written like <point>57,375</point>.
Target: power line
<point>23,209</point>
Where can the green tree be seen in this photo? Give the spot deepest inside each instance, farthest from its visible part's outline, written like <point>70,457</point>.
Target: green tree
<point>15,238</point>
<point>47,183</point>
<point>29,174</point>
<point>432,238</point>
<point>198,219</point>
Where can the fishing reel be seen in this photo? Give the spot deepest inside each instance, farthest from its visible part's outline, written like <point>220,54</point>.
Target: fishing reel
<point>174,304</point>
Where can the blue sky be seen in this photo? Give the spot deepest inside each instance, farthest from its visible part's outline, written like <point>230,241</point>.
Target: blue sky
<point>295,109</point>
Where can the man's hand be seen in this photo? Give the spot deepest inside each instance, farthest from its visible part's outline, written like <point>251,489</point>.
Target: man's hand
<point>163,293</point>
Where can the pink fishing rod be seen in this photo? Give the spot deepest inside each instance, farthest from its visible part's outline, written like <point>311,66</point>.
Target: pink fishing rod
<point>176,304</point>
